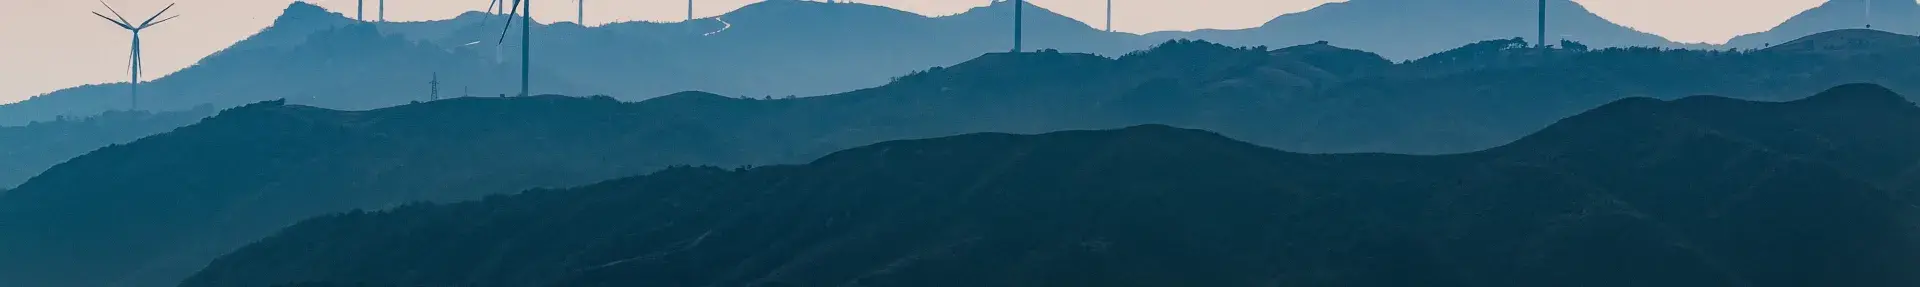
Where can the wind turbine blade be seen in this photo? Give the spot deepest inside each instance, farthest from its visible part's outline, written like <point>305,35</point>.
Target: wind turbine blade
<point>490,5</point>
<point>149,21</point>
<point>132,57</point>
<point>122,25</point>
<point>116,14</point>
<point>509,26</point>
<point>161,21</point>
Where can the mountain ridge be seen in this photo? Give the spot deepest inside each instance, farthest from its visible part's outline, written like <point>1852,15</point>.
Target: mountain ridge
<point>842,51</point>
<point>1836,15</point>
<point>1315,98</point>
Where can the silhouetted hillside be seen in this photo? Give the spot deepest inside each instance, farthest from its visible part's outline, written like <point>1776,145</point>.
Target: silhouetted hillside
<point>1694,192</point>
<point>28,150</point>
<point>1850,42</point>
<point>150,212</point>
<point>1895,16</point>
<point>210,187</point>
<point>1409,29</point>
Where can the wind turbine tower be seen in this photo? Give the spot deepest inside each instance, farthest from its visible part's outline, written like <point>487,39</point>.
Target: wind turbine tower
<point>526,42</point>
<point>383,11</point>
<point>1016,23</point>
<point>689,10</point>
<point>1109,16</point>
<point>582,17</point>
<point>1543,24</point>
<point>360,10</point>
<point>133,62</point>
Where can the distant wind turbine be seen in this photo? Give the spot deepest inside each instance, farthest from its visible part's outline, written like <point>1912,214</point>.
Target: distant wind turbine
<point>689,10</point>
<point>1109,16</point>
<point>360,10</point>
<point>526,42</point>
<point>383,10</point>
<point>133,62</point>
<point>582,18</point>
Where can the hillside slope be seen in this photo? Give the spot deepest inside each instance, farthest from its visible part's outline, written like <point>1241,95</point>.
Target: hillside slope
<point>1699,191</point>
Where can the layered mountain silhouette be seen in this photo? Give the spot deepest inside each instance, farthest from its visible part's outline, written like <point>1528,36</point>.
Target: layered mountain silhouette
<point>349,67</point>
<point>773,48</point>
<point>1896,16</point>
<point>1700,191</point>
<point>33,148</point>
<point>1409,29</point>
<point>152,211</point>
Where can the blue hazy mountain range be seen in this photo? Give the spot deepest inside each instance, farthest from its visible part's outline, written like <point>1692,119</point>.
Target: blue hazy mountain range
<point>781,48</point>
<point>1890,15</point>
<point>178,199</point>
<point>1700,191</point>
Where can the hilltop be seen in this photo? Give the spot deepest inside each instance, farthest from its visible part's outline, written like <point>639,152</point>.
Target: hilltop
<point>1696,191</point>
<point>1893,16</point>
<point>1411,29</point>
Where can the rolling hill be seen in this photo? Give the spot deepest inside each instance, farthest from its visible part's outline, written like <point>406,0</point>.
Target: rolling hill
<point>1411,29</point>
<point>33,148</point>
<point>1640,192</point>
<point>1894,16</point>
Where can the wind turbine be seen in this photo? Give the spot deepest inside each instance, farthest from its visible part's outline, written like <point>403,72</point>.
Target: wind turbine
<point>133,62</point>
<point>360,10</point>
<point>582,20</point>
<point>526,42</point>
<point>383,10</point>
<point>689,10</point>
<point>1109,16</point>
<point>1016,24</point>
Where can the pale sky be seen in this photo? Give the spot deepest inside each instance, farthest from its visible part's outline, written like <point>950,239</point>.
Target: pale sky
<point>38,34</point>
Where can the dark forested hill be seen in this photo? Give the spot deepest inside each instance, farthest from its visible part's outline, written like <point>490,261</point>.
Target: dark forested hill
<point>179,199</point>
<point>1702,191</point>
<point>28,150</point>
<point>1410,29</point>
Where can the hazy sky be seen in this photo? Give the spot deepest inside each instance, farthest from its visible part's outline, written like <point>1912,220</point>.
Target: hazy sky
<point>38,34</point>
